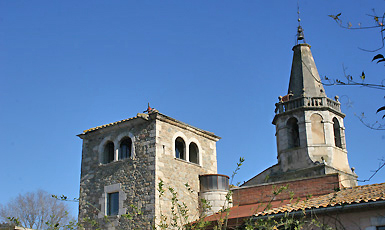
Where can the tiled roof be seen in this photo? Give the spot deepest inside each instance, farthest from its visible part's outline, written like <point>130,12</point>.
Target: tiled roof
<point>244,211</point>
<point>141,115</point>
<point>161,116</point>
<point>355,195</point>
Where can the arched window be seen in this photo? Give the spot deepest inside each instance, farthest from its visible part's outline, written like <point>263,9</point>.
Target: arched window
<point>337,133</point>
<point>109,155</point>
<point>293,132</point>
<point>180,148</point>
<point>125,148</point>
<point>317,129</point>
<point>193,153</point>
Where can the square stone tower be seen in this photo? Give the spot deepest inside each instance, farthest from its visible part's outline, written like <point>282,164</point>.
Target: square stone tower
<point>124,162</point>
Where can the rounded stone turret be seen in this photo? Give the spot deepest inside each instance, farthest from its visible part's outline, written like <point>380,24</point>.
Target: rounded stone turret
<point>214,188</point>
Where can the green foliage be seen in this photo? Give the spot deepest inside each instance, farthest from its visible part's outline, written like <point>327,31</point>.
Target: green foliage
<point>286,221</point>
<point>87,222</point>
<point>179,218</point>
<point>14,221</point>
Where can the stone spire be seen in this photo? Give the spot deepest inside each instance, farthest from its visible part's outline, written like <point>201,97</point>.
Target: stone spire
<point>304,77</point>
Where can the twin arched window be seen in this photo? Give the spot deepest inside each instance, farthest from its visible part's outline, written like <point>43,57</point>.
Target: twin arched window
<point>124,151</point>
<point>180,151</point>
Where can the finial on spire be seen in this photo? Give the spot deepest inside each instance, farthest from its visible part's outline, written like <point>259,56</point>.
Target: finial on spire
<point>300,35</point>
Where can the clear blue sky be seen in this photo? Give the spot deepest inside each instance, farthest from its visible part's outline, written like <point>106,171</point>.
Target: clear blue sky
<point>66,66</point>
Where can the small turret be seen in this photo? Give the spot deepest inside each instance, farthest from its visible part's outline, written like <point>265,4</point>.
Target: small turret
<point>214,189</point>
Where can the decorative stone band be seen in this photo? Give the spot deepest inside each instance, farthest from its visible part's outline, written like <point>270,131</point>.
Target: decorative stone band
<point>307,102</point>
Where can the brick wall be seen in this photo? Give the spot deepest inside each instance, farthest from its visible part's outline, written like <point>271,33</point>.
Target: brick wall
<point>299,188</point>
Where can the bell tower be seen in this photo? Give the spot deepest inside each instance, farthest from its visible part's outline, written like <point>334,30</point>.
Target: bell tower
<point>310,128</point>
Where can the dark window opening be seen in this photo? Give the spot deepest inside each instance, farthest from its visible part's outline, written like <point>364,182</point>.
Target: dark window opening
<point>112,204</point>
<point>293,133</point>
<point>109,150</point>
<point>180,148</point>
<point>125,148</point>
<point>337,133</point>
<point>194,153</point>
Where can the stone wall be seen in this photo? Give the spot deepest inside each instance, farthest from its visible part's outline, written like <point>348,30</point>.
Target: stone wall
<point>217,201</point>
<point>174,172</point>
<point>135,176</point>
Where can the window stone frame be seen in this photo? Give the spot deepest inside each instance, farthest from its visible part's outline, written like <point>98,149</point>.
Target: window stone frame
<point>187,142</point>
<point>117,140</point>
<point>197,143</point>
<point>103,199</point>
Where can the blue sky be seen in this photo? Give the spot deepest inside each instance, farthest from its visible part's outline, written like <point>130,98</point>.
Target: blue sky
<point>66,66</point>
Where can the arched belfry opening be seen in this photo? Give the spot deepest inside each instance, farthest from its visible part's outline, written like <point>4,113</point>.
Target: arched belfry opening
<point>293,133</point>
<point>337,133</point>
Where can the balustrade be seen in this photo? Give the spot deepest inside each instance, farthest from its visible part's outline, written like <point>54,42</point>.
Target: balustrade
<point>307,102</point>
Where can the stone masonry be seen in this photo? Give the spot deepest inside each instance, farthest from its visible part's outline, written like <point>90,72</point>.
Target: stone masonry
<point>177,172</point>
<point>136,178</point>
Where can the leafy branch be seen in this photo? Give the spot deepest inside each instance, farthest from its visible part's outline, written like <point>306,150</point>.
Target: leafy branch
<point>350,81</point>
<point>378,24</point>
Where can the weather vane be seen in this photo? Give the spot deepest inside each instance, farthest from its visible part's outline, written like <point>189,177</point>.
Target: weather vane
<point>300,35</point>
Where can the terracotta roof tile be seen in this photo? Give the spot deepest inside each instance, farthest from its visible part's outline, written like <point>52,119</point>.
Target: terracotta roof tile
<point>359,194</point>
<point>139,115</point>
<point>146,117</point>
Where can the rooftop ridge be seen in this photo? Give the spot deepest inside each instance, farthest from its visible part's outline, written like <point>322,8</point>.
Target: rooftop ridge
<point>139,115</point>
<point>346,196</point>
<point>147,117</point>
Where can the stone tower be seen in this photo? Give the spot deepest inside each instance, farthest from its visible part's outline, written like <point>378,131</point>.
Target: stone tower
<point>124,162</point>
<point>310,130</point>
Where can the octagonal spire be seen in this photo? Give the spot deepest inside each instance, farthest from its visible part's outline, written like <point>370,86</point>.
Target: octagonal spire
<point>304,77</point>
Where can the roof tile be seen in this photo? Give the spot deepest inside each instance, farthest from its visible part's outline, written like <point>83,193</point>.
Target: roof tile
<point>359,194</point>
<point>141,115</point>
